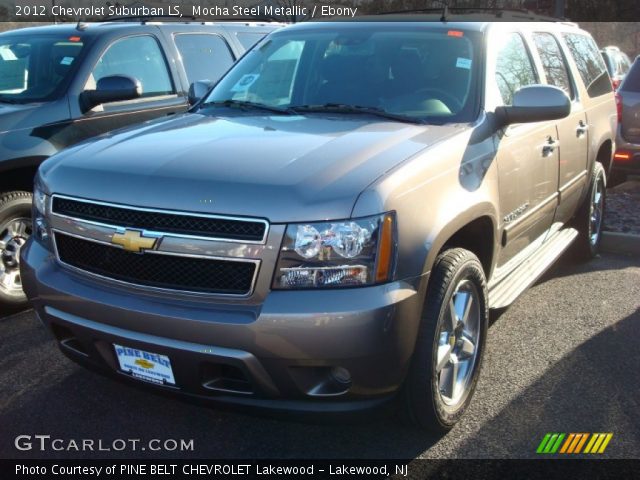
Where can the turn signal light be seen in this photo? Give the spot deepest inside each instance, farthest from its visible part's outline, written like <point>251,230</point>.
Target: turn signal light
<point>622,156</point>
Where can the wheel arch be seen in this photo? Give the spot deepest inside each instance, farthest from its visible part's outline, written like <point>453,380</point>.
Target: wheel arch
<point>18,174</point>
<point>476,233</point>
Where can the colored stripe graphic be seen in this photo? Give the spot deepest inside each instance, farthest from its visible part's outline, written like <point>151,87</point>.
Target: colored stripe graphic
<point>550,443</point>
<point>556,443</point>
<point>583,439</point>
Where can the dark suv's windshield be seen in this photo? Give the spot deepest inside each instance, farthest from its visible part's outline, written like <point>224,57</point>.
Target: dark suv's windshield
<point>417,73</point>
<point>32,68</point>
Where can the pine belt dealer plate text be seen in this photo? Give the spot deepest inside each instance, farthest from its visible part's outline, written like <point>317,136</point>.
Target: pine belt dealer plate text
<point>147,366</point>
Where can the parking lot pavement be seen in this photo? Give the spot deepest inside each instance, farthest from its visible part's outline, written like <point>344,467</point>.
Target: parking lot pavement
<point>563,358</point>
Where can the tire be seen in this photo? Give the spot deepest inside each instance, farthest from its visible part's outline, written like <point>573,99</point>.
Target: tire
<point>15,229</point>
<point>589,227</point>
<point>429,403</point>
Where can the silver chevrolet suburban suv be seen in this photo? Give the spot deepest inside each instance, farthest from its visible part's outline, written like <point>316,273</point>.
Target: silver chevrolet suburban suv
<point>329,226</point>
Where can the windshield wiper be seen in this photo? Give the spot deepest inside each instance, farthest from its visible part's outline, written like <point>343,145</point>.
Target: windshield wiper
<point>247,105</point>
<point>345,108</point>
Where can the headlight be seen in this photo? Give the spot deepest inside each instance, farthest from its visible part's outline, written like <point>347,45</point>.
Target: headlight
<point>39,200</point>
<point>40,225</point>
<point>337,254</point>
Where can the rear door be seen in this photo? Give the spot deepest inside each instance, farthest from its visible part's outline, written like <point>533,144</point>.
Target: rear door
<point>573,132</point>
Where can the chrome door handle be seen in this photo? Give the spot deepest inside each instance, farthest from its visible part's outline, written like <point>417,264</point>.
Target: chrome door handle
<point>581,129</point>
<point>550,147</point>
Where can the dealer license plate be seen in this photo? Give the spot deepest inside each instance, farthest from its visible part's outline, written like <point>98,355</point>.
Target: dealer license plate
<point>147,366</point>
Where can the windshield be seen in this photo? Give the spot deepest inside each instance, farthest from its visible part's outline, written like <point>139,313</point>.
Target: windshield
<point>33,68</point>
<point>422,73</point>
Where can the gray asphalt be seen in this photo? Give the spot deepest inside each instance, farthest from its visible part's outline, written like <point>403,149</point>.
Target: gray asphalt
<point>563,358</point>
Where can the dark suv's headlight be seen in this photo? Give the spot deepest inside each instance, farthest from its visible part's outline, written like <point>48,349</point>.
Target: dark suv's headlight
<point>40,224</point>
<point>346,253</point>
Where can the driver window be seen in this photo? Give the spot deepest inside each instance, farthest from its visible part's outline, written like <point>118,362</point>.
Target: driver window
<point>514,68</point>
<point>138,57</point>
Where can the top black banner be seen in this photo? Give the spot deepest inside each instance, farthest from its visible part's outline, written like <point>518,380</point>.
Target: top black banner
<point>305,10</point>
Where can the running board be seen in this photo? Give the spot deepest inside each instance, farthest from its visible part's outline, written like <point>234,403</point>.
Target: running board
<point>508,289</point>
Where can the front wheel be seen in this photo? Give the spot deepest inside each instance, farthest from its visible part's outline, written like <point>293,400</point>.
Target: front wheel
<point>15,229</point>
<point>450,343</point>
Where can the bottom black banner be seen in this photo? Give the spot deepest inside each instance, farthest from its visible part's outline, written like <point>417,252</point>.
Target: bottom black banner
<point>317,469</point>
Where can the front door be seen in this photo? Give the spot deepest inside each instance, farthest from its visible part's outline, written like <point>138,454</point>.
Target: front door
<point>140,57</point>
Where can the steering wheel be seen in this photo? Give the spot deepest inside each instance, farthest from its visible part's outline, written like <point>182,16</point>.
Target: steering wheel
<point>449,100</point>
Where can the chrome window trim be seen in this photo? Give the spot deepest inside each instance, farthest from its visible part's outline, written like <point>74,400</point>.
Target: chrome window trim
<point>158,289</point>
<point>168,212</point>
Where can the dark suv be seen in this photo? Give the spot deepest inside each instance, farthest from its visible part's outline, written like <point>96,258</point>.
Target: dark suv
<point>62,84</point>
<point>626,159</point>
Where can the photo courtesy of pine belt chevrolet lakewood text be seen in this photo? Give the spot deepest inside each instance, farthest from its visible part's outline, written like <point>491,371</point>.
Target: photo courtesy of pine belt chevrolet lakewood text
<point>328,227</point>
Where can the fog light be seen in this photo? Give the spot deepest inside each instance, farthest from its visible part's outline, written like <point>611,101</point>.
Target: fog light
<point>341,375</point>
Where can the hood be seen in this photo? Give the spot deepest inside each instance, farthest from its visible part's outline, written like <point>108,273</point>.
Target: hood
<point>282,168</point>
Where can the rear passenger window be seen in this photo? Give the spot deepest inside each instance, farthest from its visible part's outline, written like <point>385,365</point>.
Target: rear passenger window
<point>138,57</point>
<point>249,39</point>
<point>514,68</point>
<point>553,62</point>
<point>205,56</point>
<point>590,63</point>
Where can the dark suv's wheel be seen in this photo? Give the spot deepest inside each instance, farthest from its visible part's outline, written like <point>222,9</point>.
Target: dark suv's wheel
<point>15,229</point>
<point>590,216</point>
<point>450,343</point>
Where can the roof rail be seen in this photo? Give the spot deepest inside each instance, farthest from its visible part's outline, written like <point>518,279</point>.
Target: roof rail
<point>515,13</point>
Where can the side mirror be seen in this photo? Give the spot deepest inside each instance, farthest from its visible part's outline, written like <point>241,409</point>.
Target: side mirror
<point>535,103</point>
<point>197,90</point>
<point>115,88</point>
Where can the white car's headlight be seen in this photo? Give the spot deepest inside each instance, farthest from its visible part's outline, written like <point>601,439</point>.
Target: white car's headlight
<point>345,253</point>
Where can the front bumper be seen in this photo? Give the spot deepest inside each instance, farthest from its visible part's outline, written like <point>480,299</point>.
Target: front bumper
<point>278,355</point>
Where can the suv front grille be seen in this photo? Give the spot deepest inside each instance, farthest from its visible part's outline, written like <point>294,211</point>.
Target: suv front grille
<point>202,275</point>
<point>175,223</point>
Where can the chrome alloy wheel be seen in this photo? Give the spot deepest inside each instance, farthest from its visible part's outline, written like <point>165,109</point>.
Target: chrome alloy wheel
<point>13,235</point>
<point>457,348</point>
<point>596,212</point>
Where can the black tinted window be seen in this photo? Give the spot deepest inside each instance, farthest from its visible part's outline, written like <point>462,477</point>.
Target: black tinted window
<point>632,80</point>
<point>553,62</point>
<point>205,56</point>
<point>35,68</point>
<point>590,64</point>
<point>138,57</point>
<point>514,68</point>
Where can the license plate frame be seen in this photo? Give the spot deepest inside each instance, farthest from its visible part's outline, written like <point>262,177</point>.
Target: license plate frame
<point>144,365</point>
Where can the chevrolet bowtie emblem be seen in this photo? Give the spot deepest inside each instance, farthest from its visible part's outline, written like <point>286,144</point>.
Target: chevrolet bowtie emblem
<point>134,241</point>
